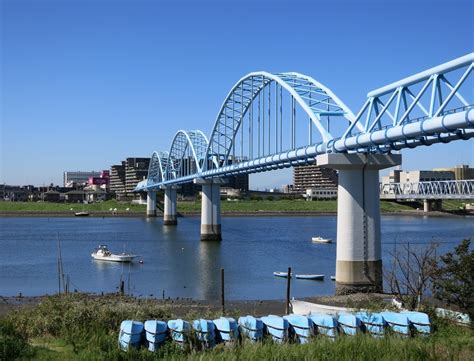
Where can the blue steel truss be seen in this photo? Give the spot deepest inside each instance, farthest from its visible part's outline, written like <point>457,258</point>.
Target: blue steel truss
<point>460,189</point>
<point>257,128</point>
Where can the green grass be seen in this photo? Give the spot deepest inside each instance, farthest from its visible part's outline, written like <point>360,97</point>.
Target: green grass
<point>240,206</point>
<point>66,207</point>
<point>81,327</point>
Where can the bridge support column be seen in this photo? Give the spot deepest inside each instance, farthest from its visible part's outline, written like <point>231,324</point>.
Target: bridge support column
<point>359,261</point>
<point>170,214</point>
<point>210,209</point>
<point>427,205</point>
<point>151,203</point>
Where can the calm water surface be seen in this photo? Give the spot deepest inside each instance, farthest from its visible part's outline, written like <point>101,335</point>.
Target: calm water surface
<point>174,260</point>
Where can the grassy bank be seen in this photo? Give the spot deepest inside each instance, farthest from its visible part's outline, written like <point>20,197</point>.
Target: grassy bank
<point>241,206</point>
<point>66,207</point>
<point>86,328</point>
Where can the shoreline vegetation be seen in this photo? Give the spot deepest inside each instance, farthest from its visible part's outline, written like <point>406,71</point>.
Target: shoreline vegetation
<point>282,207</point>
<point>85,327</point>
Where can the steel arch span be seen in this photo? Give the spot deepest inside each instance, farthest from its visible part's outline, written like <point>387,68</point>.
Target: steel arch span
<point>270,121</point>
<point>316,101</point>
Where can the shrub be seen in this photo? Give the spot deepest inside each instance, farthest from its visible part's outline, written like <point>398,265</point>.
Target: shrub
<point>454,281</point>
<point>13,344</point>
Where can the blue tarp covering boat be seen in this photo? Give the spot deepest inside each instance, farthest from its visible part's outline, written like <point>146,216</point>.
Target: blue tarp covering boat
<point>420,321</point>
<point>301,327</point>
<point>325,324</point>
<point>277,327</point>
<point>205,332</point>
<point>398,322</point>
<point>251,327</point>
<point>372,322</point>
<point>227,329</point>
<point>179,330</point>
<point>130,335</point>
<point>155,332</point>
<point>349,324</point>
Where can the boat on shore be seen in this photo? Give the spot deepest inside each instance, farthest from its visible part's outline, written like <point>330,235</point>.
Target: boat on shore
<point>102,253</point>
<point>310,277</point>
<point>320,239</point>
<point>81,214</point>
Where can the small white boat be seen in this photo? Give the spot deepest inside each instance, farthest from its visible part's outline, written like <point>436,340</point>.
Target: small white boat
<point>310,277</point>
<point>81,214</point>
<point>103,254</point>
<point>333,278</point>
<point>320,239</point>
<point>281,274</point>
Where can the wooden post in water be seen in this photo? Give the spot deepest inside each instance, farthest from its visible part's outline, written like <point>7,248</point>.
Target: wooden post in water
<point>222,292</point>
<point>287,304</point>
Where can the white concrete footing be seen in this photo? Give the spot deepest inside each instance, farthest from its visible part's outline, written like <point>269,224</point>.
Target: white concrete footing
<point>358,261</point>
<point>432,205</point>
<point>210,210</point>
<point>151,204</point>
<point>170,214</point>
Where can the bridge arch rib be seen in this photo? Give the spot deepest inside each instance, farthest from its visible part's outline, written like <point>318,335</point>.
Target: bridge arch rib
<point>187,154</point>
<point>316,100</point>
<point>157,168</point>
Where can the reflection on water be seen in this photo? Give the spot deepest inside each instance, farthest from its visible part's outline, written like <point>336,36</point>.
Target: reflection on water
<point>177,262</point>
<point>209,269</point>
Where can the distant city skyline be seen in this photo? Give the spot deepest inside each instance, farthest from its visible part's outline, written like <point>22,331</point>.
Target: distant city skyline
<point>86,84</point>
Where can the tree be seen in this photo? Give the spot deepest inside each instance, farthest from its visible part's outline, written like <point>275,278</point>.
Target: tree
<point>454,280</point>
<point>411,272</point>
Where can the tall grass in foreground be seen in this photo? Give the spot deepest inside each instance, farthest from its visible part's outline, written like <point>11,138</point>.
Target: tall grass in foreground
<point>81,327</point>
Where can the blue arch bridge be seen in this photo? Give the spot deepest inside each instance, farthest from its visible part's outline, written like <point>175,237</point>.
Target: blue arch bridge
<point>271,121</point>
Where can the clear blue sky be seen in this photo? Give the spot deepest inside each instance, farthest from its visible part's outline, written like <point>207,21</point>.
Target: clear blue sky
<point>85,84</point>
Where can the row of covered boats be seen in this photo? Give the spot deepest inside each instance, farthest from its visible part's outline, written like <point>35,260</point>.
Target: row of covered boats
<point>290,328</point>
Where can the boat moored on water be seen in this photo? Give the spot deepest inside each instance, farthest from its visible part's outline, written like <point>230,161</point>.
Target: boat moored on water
<point>310,277</point>
<point>102,253</point>
<point>281,274</point>
<point>320,239</point>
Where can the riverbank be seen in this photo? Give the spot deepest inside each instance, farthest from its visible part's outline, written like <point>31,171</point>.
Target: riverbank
<point>180,307</point>
<point>229,208</point>
<point>80,326</point>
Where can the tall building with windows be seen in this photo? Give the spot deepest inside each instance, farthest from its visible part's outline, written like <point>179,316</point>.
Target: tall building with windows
<point>125,176</point>
<point>78,177</point>
<point>136,170</point>
<point>117,180</point>
<point>313,177</point>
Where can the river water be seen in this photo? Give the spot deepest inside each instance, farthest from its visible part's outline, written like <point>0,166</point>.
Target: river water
<point>176,262</point>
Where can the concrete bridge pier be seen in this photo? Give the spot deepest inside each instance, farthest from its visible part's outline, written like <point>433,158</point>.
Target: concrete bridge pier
<point>170,214</point>
<point>210,209</point>
<point>432,205</point>
<point>358,261</point>
<point>151,203</point>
